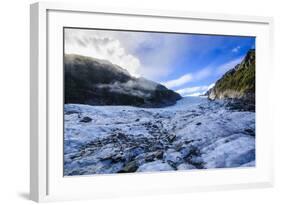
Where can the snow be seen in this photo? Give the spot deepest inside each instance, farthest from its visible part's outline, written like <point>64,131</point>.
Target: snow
<point>193,134</point>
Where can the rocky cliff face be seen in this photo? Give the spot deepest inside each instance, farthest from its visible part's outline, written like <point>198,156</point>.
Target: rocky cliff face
<point>238,84</point>
<point>98,82</point>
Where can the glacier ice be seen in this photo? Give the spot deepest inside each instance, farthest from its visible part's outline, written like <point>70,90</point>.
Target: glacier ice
<point>193,134</point>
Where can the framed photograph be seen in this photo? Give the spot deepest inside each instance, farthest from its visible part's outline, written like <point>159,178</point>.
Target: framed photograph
<point>128,102</point>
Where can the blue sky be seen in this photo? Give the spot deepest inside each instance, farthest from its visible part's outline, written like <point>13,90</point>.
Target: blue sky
<point>187,63</point>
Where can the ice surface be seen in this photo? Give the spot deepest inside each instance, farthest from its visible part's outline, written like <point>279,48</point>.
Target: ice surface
<point>193,134</point>
<point>158,165</point>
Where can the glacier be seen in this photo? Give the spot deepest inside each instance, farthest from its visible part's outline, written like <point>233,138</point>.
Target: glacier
<point>195,133</point>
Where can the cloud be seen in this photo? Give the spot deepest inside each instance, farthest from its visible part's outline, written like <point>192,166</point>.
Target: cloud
<point>102,45</point>
<point>195,91</point>
<point>211,86</point>
<point>195,94</point>
<point>179,81</point>
<point>192,90</point>
<point>203,73</point>
<point>151,55</point>
<point>189,77</point>
<point>159,52</point>
<point>228,65</point>
<point>145,54</point>
<point>135,88</point>
<point>236,49</point>
<point>155,72</point>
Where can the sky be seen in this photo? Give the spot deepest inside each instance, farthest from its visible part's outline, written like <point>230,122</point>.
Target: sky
<point>189,64</point>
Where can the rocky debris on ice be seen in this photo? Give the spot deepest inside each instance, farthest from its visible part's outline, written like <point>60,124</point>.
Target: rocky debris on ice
<point>193,134</point>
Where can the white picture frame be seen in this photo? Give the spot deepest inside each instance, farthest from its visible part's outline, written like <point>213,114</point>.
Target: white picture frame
<point>46,178</point>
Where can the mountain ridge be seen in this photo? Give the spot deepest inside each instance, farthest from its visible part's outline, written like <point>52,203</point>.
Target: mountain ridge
<point>237,84</point>
<point>99,82</point>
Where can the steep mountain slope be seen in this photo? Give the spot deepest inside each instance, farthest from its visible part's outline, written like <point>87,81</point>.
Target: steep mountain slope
<point>99,82</point>
<point>238,83</point>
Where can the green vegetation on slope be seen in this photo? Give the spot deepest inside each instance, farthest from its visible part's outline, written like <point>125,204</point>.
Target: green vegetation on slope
<point>238,82</point>
<point>241,78</point>
<point>238,85</point>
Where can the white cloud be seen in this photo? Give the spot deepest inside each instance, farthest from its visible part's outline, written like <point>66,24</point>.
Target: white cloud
<point>228,65</point>
<point>211,86</point>
<point>179,81</point>
<point>236,49</point>
<point>195,91</point>
<point>189,77</point>
<point>195,94</point>
<point>191,90</point>
<point>101,45</point>
<point>159,52</point>
<point>156,53</point>
<point>204,73</point>
<point>120,47</point>
<point>155,72</point>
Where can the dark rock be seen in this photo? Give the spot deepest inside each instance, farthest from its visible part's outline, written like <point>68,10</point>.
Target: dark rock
<point>132,152</point>
<point>250,132</point>
<point>71,112</point>
<point>117,158</point>
<point>154,126</point>
<point>171,137</point>
<point>198,123</point>
<point>152,156</point>
<point>242,104</point>
<point>86,119</point>
<point>188,141</point>
<point>178,145</point>
<point>196,161</point>
<point>130,167</point>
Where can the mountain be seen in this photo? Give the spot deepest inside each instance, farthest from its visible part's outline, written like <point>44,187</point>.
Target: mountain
<point>238,83</point>
<point>98,82</point>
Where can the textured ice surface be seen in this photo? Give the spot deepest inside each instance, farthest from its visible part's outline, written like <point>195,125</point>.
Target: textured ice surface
<point>193,134</point>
